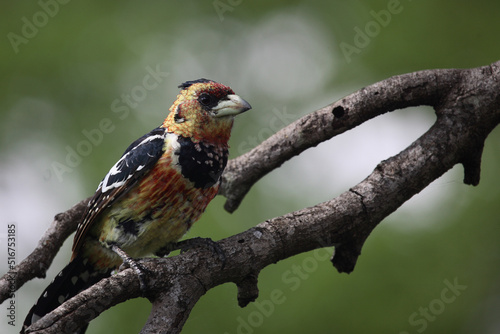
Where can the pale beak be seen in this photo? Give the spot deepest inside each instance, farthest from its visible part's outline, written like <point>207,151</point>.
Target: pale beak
<point>231,106</point>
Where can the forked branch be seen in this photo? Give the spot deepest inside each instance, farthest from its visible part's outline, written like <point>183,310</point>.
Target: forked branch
<point>467,105</point>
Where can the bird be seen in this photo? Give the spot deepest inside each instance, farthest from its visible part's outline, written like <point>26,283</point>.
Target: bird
<point>153,194</point>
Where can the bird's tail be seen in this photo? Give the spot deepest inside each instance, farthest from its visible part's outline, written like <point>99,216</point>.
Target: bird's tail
<point>75,277</point>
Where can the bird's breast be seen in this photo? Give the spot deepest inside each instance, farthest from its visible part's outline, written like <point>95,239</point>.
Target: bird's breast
<point>170,198</point>
<point>201,163</point>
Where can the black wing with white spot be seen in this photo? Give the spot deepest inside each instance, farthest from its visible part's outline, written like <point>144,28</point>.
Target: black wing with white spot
<point>139,158</point>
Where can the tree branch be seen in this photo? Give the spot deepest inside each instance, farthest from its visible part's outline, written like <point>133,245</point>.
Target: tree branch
<point>413,89</point>
<point>39,261</point>
<point>467,105</point>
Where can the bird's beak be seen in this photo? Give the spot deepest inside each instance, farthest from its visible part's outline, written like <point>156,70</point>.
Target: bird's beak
<point>231,106</point>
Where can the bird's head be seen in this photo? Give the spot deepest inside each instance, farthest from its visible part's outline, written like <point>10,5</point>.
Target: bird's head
<point>204,111</point>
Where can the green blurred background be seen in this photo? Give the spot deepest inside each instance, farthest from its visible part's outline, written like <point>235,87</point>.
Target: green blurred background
<point>73,70</point>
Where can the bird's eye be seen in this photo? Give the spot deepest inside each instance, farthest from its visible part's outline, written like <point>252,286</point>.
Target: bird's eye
<point>207,100</point>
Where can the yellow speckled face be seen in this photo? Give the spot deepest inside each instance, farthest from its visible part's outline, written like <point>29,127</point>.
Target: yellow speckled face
<point>204,110</point>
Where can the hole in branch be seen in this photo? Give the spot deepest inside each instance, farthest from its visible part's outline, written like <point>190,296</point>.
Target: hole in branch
<point>338,111</point>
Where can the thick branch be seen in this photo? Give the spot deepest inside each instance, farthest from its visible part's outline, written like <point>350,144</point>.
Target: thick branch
<point>467,104</point>
<point>413,89</point>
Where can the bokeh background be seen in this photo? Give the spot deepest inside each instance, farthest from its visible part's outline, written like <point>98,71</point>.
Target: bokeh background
<point>79,81</point>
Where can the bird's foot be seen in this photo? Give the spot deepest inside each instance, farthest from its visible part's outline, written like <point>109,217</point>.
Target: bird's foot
<point>131,263</point>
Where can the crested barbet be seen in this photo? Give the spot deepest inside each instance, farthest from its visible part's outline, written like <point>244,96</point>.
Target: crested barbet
<point>153,194</point>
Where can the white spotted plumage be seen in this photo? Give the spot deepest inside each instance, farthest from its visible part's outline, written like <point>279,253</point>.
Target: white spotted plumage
<point>136,161</point>
<point>106,185</point>
<point>156,190</point>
